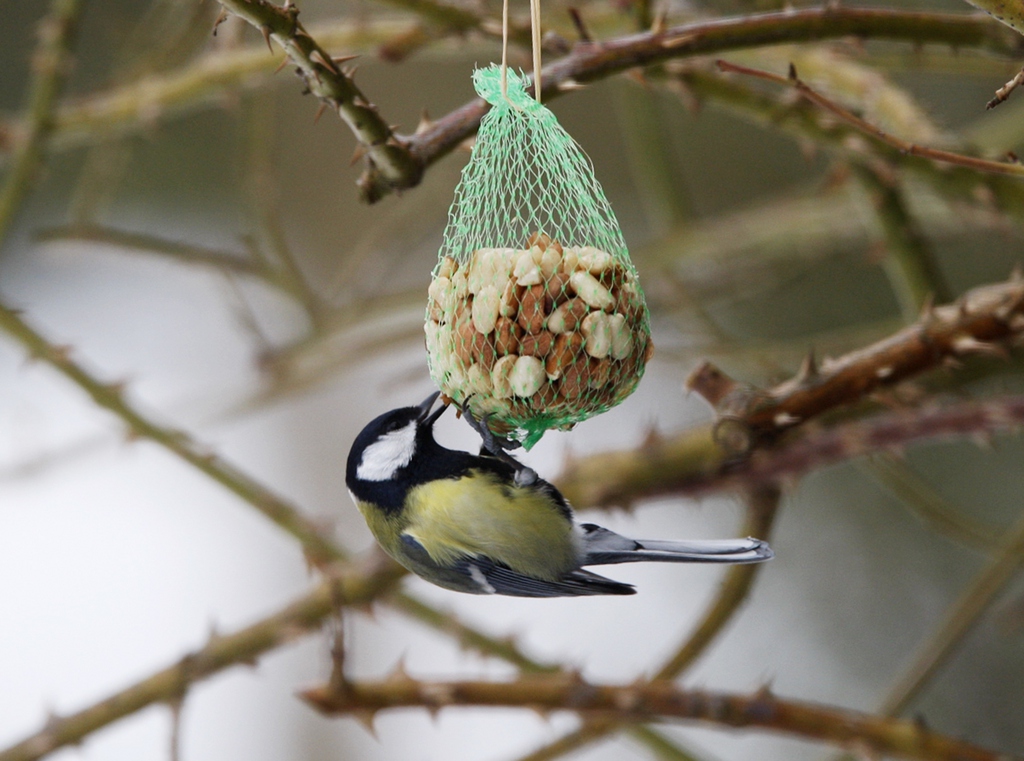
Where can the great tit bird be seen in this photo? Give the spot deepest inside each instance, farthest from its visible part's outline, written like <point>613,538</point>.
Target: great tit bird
<point>485,524</point>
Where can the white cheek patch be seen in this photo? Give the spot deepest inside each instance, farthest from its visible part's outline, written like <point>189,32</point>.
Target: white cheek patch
<point>390,452</point>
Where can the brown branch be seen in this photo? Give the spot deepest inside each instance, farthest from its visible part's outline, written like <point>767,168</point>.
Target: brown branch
<point>886,431</point>
<point>389,161</point>
<point>626,476</point>
<point>981,322</point>
<point>50,64</point>
<point>710,458</point>
<point>861,125</point>
<point>592,61</point>
<point>357,585</point>
<point>762,507</point>
<point>646,701</point>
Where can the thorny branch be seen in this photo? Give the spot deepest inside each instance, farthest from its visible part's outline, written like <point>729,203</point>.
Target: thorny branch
<point>762,504</point>
<point>388,158</point>
<point>910,149</point>
<point>110,396</point>
<point>889,431</point>
<point>590,61</point>
<point>397,162</point>
<point>985,321</point>
<point>646,701</point>
<point>318,547</point>
<point>356,585</point>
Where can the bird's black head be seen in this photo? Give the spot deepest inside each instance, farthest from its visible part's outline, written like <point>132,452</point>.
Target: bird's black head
<point>385,453</point>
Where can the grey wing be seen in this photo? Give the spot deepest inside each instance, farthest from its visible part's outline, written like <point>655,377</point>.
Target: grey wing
<point>481,575</point>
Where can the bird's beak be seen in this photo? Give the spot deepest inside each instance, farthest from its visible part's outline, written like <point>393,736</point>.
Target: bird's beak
<point>427,417</point>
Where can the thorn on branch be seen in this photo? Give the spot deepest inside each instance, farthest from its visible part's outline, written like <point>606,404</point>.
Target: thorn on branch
<point>580,25</point>
<point>221,18</point>
<point>1004,92</point>
<point>324,60</point>
<point>808,371</point>
<point>659,24</point>
<point>711,383</point>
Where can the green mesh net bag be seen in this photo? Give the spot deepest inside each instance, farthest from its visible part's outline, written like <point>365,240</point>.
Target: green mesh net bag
<point>535,315</point>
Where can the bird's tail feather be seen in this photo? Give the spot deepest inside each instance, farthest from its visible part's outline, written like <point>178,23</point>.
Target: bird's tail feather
<point>603,547</point>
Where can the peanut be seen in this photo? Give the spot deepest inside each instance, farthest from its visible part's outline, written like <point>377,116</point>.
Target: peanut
<point>597,334</point>
<point>594,260</point>
<point>572,385</point>
<point>478,380</point>
<point>488,266</point>
<point>591,291</point>
<point>570,258</point>
<point>482,350</point>
<point>600,370</point>
<point>440,291</point>
<point>564,353</point>
<point>556,289</point>
<point>622,336</point>
<point>464,336</point>
<point>527,376</point>
<point>485,308</point>
<point>540,240</point>
<point>446,268</point>
<point>568,316</point>
<point>506,336</point>
<point>527,268</point>
<point>531,309</point>
<point>509,300</point>
<point>538,345</point>
<point>500,376</point>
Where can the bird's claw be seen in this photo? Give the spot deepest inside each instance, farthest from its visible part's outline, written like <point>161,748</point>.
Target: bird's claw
<point>492,443</point>
<point>499,447</point>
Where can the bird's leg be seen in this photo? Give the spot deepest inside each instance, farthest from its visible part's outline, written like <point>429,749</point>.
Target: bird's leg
<point>498,446</point>
<point>493,444</point>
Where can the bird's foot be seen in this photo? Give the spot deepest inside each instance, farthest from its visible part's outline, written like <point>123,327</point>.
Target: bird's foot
<point>499,447</point>
<point>491,442</point>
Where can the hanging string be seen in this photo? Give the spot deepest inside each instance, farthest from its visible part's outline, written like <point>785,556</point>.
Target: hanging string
<point>504,50</point>
<point>535,41</point>
<point>535,28</point>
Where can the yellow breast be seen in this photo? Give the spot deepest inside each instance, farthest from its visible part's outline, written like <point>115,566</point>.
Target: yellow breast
<point>478,515</point>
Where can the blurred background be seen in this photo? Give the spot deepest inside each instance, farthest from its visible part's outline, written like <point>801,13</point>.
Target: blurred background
<point>205,244</point>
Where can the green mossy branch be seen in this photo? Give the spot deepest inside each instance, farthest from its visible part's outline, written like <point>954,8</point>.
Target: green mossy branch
<point>356,585</point>
<point>50,67</point>
<point>110,396</point>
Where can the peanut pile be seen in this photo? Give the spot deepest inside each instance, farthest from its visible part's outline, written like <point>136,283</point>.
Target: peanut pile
<point>546,330</point>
